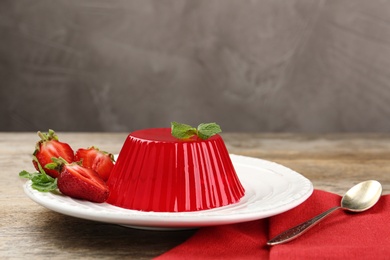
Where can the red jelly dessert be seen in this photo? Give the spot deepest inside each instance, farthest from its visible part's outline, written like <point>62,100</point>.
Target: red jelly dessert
<point>158,172</point>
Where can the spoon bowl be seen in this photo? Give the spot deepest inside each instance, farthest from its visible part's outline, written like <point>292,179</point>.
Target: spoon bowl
<point>362,196</point>
<point>359,198</point>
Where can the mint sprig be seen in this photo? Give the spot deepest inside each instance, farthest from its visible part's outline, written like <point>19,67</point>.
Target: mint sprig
<point>203,131</point>
<point>40,180</point>
<point>182,131</point>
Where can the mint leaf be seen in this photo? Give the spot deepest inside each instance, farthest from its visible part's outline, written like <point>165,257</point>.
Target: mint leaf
<point>44,183</point>
<point>27,175</point>
<point>204,130</point>
<point>207,130</point>
<point>40,180</point>
<point>182,131</point>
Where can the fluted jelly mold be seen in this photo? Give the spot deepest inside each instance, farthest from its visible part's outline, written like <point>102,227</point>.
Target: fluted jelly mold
<point>158,172</point>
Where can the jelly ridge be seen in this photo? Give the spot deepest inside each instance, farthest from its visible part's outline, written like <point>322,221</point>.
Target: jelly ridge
<point>155,172</point>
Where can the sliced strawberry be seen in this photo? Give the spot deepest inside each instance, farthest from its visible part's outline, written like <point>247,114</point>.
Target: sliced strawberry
<point>50,147</point>
<point>79,182</point>
<point>97,160</point>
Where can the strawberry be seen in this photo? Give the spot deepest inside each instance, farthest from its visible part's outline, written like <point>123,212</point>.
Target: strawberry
<point>79,182</point>
<point>97,160</point>
<point>48,147</point>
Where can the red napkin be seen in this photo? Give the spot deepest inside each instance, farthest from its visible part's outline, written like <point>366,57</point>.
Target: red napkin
<point>342,235</point>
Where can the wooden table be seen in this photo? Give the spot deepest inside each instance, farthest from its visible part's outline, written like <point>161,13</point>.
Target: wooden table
<point>27,230</point>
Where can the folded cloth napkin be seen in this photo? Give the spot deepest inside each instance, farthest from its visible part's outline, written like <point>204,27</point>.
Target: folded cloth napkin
<point>342,235</point>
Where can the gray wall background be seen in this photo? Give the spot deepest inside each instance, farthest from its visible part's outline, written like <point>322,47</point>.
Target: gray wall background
<point>249,65</point>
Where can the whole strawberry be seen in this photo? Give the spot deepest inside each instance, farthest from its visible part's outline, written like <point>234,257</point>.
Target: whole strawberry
<point>79,182</point>
<point>97,160</point>
<point>50,147</point>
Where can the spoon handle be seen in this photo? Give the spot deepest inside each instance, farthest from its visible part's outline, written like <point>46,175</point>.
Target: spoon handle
<point>298,230</point>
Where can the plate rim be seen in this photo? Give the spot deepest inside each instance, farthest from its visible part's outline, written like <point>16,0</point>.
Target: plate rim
<point>162,220</point>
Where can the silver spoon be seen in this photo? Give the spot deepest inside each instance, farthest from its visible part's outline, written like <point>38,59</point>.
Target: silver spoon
<point>359,198</point>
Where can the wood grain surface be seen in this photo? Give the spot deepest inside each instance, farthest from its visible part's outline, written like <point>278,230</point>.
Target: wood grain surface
<point>28,230</point>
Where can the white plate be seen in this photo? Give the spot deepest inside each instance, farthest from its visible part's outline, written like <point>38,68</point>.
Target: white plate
<point>270,189</point>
